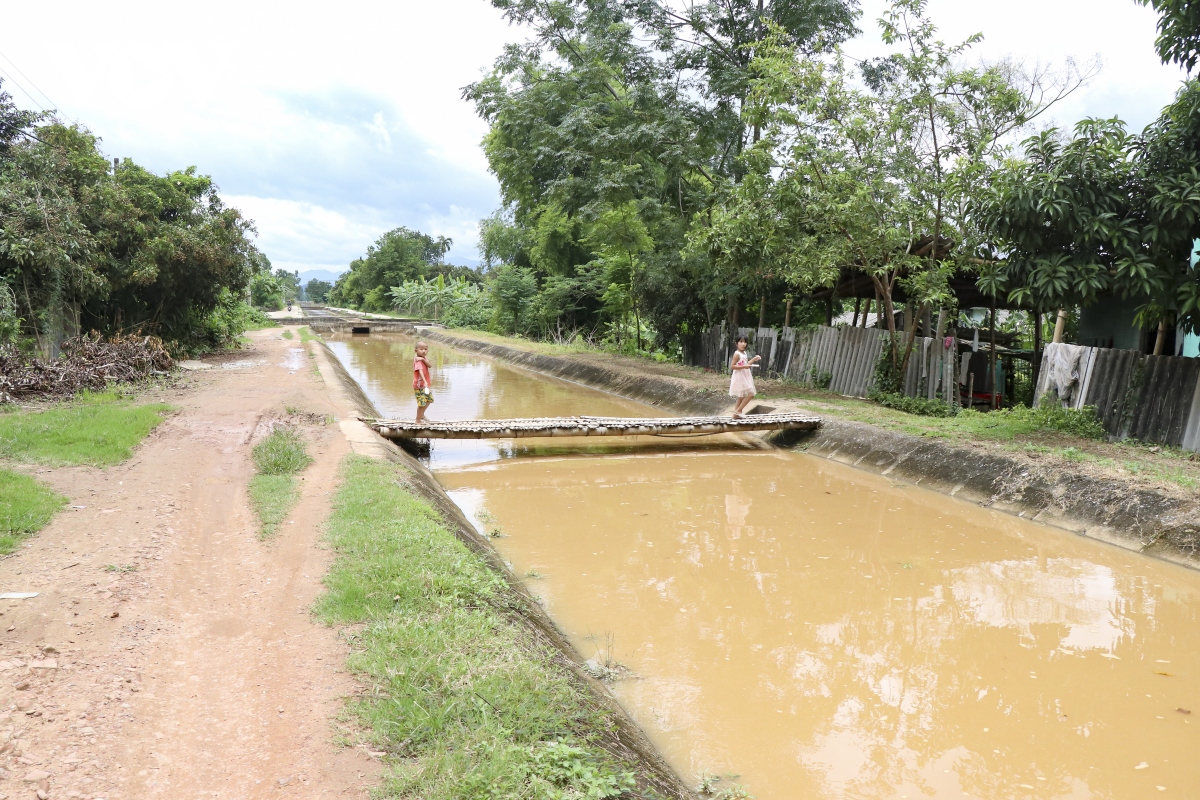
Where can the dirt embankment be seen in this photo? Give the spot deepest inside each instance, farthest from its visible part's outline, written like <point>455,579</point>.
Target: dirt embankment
<point>1127,510</point>
<point>170,653</point>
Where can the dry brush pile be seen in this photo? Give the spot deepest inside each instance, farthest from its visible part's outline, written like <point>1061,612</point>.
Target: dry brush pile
<point>86,363</point>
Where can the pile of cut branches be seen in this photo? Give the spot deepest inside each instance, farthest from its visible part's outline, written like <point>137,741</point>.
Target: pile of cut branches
<point>86,362</point>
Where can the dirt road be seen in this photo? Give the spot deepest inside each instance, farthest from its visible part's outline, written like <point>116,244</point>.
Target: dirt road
<point>170,652</point>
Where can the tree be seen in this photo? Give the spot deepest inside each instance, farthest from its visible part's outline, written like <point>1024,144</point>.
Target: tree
<point>317,290</point>
<point>85,246</point>
<point>399,255</point>
<point>1178,31</point>
<point>616,102</point>
<point>877,178</point>
<point>1104,212</point>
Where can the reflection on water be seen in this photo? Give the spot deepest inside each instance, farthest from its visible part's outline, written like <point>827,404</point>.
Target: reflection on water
<point>823,633</point>
<point>470,387</point>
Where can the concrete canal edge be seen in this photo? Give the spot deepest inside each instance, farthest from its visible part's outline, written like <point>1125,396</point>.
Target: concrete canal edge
<point>1134,518</point>
<point>627,739</point>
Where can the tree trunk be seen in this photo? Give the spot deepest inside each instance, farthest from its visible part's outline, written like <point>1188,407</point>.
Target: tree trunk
<point>1059,325</point>
<point>857,305</point>
<point>992,356</point>
<point>762,310</point>
<point>1160,342</point>
<point>787,314</point>
<point>909,338</point>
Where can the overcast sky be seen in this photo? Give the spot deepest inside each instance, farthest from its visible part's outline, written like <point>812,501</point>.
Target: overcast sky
<point>329,124</point>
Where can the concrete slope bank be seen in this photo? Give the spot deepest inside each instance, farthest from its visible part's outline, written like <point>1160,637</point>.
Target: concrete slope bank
<point>625,738</point>
<point>1132,517</point>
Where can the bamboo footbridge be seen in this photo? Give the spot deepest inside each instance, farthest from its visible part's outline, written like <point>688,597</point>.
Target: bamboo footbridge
<point>588,426</point>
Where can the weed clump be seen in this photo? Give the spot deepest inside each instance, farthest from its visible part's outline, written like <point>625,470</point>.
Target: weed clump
<point>273,490</point>
<point>26,506</point>
<point>281,453</point>
<point>914,405</point>
<point>1082,422</point>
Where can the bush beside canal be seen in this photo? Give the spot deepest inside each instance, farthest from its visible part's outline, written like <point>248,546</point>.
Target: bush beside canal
<point>463,696</point>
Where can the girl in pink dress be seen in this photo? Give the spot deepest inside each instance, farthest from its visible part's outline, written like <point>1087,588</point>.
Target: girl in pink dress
<point>741,384</point>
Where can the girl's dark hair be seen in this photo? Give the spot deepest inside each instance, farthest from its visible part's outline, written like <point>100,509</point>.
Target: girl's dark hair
<point>742,339</point>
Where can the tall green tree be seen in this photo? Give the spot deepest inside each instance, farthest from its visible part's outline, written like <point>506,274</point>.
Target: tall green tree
<point>88,246</point>
<point>1103,212</point>
<point>397,256</point>
<point>620,101</point>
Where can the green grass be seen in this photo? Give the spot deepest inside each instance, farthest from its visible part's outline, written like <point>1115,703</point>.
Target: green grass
<point>96,429</point>
<point>306,335</point>
<point>287,334</point>
<point>273,491</point>
<point>464,698</point>
<point>272,497</point>
<point>26,506</point>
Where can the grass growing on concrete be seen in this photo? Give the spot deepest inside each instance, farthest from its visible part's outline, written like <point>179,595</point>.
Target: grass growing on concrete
<point>462,695</point>
<point>26,506</point>
<point>273,491</point>
<point>96,429</point>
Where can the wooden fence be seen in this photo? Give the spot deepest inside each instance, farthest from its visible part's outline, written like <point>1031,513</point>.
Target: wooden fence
<point>842,360</point>
<point>1149,398</point>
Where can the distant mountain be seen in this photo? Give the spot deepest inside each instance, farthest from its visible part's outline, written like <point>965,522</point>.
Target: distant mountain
<point>319,274</point>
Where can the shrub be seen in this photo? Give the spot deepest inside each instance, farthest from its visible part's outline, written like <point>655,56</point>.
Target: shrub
<point>914,405</point>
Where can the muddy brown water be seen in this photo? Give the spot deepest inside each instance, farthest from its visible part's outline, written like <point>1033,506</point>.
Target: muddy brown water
<point>818,631</point>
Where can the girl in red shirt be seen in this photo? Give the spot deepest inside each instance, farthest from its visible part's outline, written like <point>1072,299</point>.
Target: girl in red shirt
<point>422,384</point>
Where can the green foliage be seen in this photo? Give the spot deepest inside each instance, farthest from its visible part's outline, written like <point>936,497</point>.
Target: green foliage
<point>26,506</point>
<point>1178,31</point>
<point>1103,213</point>
<point>281,453</point>
<point>1021,420</point>
<point>399,256</point>
<point>273,491</point>
<point>914,405</point>
<point>459,303</point>
<point>613,132</point>
<point>272,497</point>
<point>95,429</point>
<point>317,291</point>
<point>467,699</point>
<point>512,289</point>
<point>117,250</point>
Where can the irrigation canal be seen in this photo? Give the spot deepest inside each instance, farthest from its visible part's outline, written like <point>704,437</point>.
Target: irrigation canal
<point>818,631</point>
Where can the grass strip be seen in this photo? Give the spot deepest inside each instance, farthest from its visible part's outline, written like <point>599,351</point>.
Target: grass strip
<point>273,491</point>
<point>26,506</point>
<point>99,429</point>
<point>463,695</point>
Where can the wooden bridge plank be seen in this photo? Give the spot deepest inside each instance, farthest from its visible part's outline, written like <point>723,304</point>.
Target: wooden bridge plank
<point>586,426</point>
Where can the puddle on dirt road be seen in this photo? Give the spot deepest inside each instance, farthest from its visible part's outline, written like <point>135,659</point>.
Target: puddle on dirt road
<point>822,632</point>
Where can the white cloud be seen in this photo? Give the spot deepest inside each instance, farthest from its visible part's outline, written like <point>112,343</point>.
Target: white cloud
<point>1133,83</point>
<point>332,124</point>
